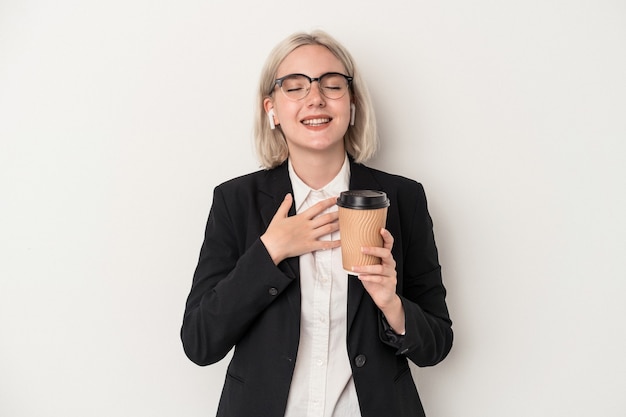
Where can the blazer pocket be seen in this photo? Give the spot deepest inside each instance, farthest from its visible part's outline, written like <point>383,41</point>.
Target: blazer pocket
<point>231,400</point>
<point>403,373</point>
<point>405,393</point>
<point>233,377</point>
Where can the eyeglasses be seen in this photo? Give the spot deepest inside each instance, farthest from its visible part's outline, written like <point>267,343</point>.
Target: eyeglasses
<point>332,85</point>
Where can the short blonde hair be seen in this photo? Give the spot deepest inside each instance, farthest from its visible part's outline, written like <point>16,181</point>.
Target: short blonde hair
<point>361,140</point>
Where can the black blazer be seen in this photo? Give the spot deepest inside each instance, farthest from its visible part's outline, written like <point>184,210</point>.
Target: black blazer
<point>240,299</point>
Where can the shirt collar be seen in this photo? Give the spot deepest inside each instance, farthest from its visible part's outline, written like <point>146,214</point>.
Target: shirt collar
<point>301,191</point>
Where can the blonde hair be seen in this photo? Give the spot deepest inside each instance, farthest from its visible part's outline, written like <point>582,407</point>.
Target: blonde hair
<point>361,140</point>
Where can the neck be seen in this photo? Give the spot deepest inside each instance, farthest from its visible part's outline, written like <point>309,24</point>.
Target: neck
<point>317,170</point>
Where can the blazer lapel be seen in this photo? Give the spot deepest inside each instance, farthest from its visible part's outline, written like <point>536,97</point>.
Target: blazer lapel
<point>361,177</point>
<point>272,192</point>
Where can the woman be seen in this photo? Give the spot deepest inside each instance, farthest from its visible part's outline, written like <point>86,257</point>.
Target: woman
<point>310,339</point>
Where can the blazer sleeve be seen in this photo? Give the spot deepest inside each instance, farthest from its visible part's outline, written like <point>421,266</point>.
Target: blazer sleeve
<point>235,280</point>
<point>428,328</point>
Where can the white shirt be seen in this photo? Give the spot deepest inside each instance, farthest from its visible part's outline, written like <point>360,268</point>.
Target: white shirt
<point>322,384</point>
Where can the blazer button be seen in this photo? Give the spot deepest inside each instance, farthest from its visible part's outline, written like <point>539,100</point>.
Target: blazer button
<point>273,291</point>
<point>360,360</point>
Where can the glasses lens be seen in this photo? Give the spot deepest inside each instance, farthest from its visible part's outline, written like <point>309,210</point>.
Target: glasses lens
<point>296,87</point>
<point>331,85</point>
<point>334,86</point>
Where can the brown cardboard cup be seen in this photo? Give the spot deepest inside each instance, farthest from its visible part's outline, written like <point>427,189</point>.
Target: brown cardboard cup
<point>362,213</point>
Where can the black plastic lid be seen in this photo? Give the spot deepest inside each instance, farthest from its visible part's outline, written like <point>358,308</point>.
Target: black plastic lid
<point>363,199</point>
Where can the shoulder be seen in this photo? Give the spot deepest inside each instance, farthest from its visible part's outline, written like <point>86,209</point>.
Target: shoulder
<point>243,181</point>
<point>254,188</point>
<point>405,194</point>
<point>257,180</point>
<point>391,182</point>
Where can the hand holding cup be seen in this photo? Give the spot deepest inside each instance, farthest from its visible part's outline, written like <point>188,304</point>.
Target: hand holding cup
<point>362,215</point>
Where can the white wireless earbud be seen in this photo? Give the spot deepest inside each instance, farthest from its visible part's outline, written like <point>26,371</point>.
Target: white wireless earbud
<point>270,116</point>
<point>352,113</point>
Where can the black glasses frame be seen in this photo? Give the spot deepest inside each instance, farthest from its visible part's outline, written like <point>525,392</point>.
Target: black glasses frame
<point>279,82</point>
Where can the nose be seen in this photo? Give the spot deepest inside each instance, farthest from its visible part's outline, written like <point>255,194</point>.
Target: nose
<point>315,96</point>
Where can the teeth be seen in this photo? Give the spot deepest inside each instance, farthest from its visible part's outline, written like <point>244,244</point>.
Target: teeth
<point>315,122</point>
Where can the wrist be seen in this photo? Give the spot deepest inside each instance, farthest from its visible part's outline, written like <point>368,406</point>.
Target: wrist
<point>272,252</point>
<point>394,315</point>
<point>393,307</point>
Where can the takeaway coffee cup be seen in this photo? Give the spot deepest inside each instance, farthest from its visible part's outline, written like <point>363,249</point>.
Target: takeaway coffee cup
<point>362,213</point>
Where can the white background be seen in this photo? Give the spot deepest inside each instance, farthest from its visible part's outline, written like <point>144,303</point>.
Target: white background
<point>117,119</point>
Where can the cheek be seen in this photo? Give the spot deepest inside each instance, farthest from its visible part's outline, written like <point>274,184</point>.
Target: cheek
<point>345,106</point>
<point>345,113</point>
<point>285,112</point>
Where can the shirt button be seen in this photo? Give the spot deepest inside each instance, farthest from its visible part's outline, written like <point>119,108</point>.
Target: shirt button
<point>360,360</point>
<point>273,291</point>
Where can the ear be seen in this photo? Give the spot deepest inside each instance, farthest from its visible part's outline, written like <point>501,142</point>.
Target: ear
<point>269,107</point>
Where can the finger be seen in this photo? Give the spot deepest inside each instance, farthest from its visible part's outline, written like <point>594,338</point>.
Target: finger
<point>372,270</point>
<point>283,210</point>
<point>325,219</point>
<point>318,208</point>
<point>384,254</point>
<point>325,229</point>
<point>376,251</point>
<point>327,244</point>
<point>387,238</point>
<point>375,279</point>
<point>382,269</point>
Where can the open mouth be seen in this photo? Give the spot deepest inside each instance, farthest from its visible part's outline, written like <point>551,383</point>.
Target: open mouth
<point>316,122</point>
